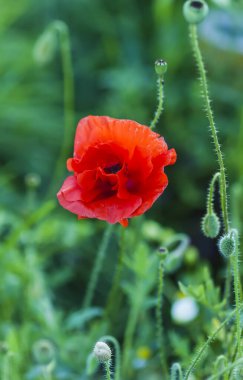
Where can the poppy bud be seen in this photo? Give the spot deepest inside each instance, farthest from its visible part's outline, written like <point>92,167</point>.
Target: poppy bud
<point>195,11</point>
<point>102,352</point>
<point>45,46</point>
<point>211,225</point>
<point>160,67</point>
<point>227,244</point>
<point>43,351</point>
<point>32,180</point>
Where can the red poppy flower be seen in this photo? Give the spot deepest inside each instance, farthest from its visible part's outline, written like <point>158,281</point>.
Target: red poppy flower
<point>118,170</point>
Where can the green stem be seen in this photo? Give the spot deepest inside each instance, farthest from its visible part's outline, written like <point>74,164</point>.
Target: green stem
<point>159,110</point>
<point>176,372</point>
<point>159,322</point>
<point>201,351</point>
<point>130,329</point>
<point>228,368</point>
<point>203,79</point>
<point>107,369</point>
<point>68,89</point>
<point>112,298</point>
<point>115,343</point>
<point>237,291</point>
<point>97,267</point>
<point>210,206</point>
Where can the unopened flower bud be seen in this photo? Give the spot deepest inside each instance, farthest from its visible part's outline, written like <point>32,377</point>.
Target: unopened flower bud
<point>44,351</point>
<point>160,67</point>
<point>211,225</point>
<point>45,46</point>
<point>195,11</point>
<point>32,180</point>
<point>102,351</point>
<point>227,244</point>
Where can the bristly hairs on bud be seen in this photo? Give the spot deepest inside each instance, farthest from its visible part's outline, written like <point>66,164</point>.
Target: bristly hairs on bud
<point>160,69</point>
<point>117,354</point>
<point>227,244</point>
<point>195,11</point>
<point>103,353</point>
<point>211,222</point>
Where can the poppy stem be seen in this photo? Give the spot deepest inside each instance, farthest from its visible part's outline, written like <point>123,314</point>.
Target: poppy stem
<point>68,88</point>
<point>114,341</point>
<point>97,267</point>
<point>211,338</point>
<point>176,372</point>
<point>160,83</point>
<point>209,112</point>
<point>107,369</point>
<point>113,297</point>
<point>237,289</point>
<point>210,205</point>
<point>223,185</point>
<point>159,322</point>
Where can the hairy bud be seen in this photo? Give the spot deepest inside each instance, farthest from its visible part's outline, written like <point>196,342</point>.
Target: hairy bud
<point>211,225</point>
<point>227,245</point>
<point>102,352</point>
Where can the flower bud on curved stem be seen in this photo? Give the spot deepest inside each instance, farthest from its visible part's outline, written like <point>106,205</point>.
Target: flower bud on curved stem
<point>103,353</point>
<point>160,69</point>
<point>210,222</point>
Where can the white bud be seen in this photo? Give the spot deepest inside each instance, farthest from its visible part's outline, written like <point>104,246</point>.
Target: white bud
<point>102,351</point>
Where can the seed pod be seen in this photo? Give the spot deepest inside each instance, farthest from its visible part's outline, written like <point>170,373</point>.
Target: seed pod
<point>102,352</point>
<point>211,225</point>
<point>227,245</point>
<point>160,67</point>
<point>195,11</point>
<point>44,351</point>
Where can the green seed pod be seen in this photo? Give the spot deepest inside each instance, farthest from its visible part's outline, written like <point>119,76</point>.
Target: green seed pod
<point>227,245</point>
<point>210,225</point>
<point>32,180</point>
<point>44,351</point>
<point>195,11</point>
<point>160,67</point>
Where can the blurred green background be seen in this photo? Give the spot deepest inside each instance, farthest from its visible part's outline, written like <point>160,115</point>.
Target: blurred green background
<point>113,48</point>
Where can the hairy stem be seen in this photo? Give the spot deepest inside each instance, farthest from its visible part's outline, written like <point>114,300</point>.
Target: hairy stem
<point>237,292</point>
<point>176,372</point>
<point>97,267</point>
<point>159,322</point>
<point>160,83</point>
<point>210,207</point>
<point>115,343</point>
<point>201,351</point>
<point>107,370</point>
<point>209,112</point>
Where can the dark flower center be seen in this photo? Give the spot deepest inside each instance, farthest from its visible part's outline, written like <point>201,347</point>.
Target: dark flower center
<point>197,4</point>
<point>113,169</point>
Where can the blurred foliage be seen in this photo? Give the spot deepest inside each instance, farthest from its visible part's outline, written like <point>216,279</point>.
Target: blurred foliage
<point>46,254</point>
